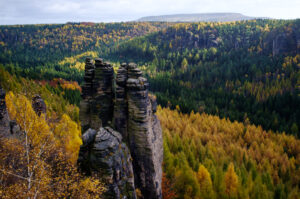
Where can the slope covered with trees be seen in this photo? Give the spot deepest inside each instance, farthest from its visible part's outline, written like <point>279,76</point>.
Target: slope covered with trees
<point>40,161</point>
<point>37,51</point>
<point>209,157</point>
<point>239,70</point>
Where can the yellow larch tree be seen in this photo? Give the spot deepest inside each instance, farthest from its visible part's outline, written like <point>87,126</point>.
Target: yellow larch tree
<point>231,182</point>
<point>37,141</point>
<point>68,134</point>
<point>204,180</point>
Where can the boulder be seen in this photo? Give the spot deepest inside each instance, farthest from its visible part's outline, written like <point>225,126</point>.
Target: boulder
<point>38,105</point>
<point>104,154</point>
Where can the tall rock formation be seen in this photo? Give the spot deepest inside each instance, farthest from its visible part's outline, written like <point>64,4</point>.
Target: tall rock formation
<point>103,88</point>
<point>96,108</point>
<point>130,111</point>
<point>144,133</point>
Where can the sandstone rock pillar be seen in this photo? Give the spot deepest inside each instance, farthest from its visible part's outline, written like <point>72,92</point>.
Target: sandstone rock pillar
<point>145,139</point>
<point>103,87</point>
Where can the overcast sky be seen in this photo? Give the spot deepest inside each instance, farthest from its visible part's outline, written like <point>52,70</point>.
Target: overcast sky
<point>62,11</point>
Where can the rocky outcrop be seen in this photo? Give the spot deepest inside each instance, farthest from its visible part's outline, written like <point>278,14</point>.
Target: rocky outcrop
<point>38,105</point>
<point>280,44</point>
<point>104,154</point>
<point>286,42</point>
<point>130,111</point>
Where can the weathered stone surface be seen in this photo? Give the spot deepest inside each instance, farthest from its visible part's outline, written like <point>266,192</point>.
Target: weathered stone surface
<point>87,89</point>
<point>145,137</point>
<point>96,108</point>
<point>38,105</point>
<point>103,85</point>
<point>85,114</point>
<point>132,112</point>
<point>104,154</point>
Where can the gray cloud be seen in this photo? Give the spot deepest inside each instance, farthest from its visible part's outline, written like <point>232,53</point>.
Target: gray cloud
<point>61,11</point>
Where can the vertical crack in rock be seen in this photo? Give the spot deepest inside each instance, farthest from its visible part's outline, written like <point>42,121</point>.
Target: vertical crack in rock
<point>132,110</point>
<point>120,106</point>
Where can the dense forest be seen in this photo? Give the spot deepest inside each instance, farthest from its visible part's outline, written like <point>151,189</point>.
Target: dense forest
<point>240,70</point>
<point>209,157</point>
<point>36,51</point>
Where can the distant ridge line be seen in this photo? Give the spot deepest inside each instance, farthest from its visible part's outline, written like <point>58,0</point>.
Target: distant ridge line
<point>198,17</point>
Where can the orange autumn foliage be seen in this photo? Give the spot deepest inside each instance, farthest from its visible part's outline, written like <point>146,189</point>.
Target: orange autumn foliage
<point>167,190</point>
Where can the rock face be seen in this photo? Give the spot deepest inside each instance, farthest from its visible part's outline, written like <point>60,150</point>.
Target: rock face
<point>38,105</point>
<point>285,43</point>
<point>130,111</point>
<point>280,44</point>
<point>96,108</point>
<point>104,154</point>
<point>144,132</point>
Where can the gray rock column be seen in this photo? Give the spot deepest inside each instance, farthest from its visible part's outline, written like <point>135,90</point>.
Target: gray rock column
<point>85,114</point>
<point>103,85</point>
<point>144,133</point>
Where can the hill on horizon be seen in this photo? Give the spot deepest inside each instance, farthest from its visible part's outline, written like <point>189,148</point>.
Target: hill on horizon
<point>197,17</point>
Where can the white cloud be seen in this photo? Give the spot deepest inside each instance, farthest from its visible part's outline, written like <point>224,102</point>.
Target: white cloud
<point>61,11</point>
